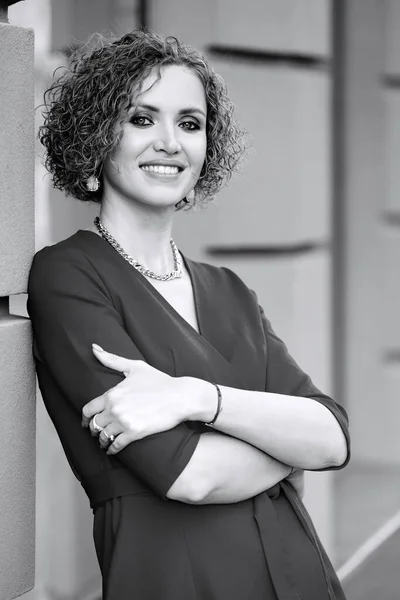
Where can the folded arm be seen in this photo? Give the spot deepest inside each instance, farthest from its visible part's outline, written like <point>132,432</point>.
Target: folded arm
<point>70,308</point>
<point>291,420</point>
<point>224,470</point>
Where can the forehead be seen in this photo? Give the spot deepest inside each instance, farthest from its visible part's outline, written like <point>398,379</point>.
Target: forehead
<point>178,86</point>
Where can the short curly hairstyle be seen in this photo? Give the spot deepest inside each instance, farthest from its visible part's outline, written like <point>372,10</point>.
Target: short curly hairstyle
<point>85,107</point>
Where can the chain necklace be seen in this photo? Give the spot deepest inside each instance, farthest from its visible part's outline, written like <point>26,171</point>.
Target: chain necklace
<point>176,273</point>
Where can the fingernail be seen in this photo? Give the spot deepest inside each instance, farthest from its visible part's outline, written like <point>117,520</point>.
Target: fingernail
<point>97,347</point>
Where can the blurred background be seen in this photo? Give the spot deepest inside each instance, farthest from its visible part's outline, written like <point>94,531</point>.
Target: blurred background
<point>312,224</point>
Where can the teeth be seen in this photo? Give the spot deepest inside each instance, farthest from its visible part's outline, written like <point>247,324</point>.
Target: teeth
<point>162,169</point>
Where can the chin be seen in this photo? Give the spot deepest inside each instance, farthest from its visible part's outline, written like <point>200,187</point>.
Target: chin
<point>161,201</point>
<point>164,196</point>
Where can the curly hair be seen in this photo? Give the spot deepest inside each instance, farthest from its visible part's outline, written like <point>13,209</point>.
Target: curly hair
<point>85,107</point>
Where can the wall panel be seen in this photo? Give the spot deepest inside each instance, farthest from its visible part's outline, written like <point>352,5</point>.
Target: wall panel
<point>283,193</point>
<point>391,42</point>
<point>391,199</point>
<point>17,376</point>
<point>18,460</point>
<point>386,409</point>
<point>287,26</point>
<point>190,20</point>
<point>389,286</point>
<point>16,157</point>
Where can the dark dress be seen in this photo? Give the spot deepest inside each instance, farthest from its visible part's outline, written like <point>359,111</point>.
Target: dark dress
<point>149,547</point>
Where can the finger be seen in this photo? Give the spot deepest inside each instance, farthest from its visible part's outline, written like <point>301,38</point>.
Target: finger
<point>121,441</point>
<point>97,424</point>
<point>108,435</point>
<point>113,361</point>
<point>97,405</point>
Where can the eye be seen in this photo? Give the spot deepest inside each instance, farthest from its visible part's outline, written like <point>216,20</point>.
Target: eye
<point>189,125</point>
<point>140,121</point>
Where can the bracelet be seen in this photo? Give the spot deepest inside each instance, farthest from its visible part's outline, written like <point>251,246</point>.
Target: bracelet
<point>219,406</point>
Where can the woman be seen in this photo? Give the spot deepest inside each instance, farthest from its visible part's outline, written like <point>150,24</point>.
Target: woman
<point>201,422</point>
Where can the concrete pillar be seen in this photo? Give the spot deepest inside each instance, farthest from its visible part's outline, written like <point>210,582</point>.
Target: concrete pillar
<point>371,147</point>
<point>66,563</point>
<point>17,377</point>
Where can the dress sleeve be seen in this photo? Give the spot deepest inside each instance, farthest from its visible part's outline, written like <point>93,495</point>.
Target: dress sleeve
<point>70,308</point>
<point>284,376</point>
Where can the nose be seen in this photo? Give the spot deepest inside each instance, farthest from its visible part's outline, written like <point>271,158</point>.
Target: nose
<point>167,142</point>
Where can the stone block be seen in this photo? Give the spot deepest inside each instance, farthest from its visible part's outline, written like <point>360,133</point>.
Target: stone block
<point>282,26</point>
<point>391,14</point>
<point>282,195</point>
<point>389,286</point>
<point>391,199</point>
<point>193,22</point>
<point>16,158</point>
<point>375,436</point>
<point>18,460</point>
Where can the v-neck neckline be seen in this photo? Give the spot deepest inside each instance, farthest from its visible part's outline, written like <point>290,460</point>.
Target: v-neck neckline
<point>190,269</point>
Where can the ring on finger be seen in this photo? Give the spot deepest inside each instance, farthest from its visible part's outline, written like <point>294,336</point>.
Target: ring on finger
<point>110,437</point>
<point>96,428</point>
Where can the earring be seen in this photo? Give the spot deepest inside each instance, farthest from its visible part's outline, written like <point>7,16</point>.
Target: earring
<point>92,184</point>
<point>190,196</point>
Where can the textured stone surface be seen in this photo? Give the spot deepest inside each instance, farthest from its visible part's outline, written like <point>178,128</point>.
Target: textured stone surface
<point>391,200</point>
<point>283,193</point>
<point>368,310</point>
<point>191,21</point>
<point>389,286</point>
<point>16,158</point>
<point>17,451</point>
<point>390,13</point>
<point>297,26</point>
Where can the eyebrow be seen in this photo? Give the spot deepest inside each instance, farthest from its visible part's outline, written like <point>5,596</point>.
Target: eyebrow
<point>183,111</point>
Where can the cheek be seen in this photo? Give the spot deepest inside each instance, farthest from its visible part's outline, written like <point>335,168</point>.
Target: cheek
<point>199,153</point>
<point>131,145</point>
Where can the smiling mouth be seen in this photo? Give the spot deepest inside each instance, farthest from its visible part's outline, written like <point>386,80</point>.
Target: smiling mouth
<point>162,169</point>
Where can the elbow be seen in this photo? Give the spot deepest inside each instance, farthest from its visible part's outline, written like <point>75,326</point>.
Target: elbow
<point>340,454</point>
<point>197,495</point>
<point>189,491</point>
<point>338,451</point>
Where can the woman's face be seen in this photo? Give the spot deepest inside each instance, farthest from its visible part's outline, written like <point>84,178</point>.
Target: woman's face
<point>163,147</point>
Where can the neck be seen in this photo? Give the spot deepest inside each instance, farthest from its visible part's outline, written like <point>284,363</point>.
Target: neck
<point>144,233</point>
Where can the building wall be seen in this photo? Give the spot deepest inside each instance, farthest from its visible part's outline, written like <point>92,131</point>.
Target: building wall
<point>371,236</point>
<point>389,343</point>
<point>17,378</point>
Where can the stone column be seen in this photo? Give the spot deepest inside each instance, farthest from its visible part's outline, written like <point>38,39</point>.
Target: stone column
<point>17,377</point>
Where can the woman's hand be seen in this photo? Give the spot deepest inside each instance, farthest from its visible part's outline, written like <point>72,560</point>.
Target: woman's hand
<point>148,401</point>
<point>296,478</point>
